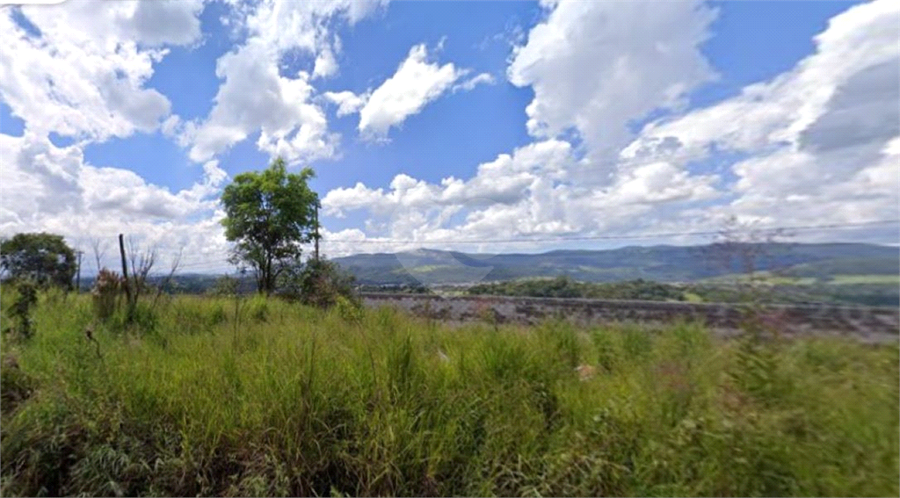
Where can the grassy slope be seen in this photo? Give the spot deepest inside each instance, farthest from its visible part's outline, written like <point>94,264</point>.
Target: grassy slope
<point>297,401</point>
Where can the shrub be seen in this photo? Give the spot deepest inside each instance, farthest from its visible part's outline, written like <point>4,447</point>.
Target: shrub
<point>217,315</point>
<point>105,293</point>
<point>22,306</point>
<point>17,385</point>
<point>320,283</point>
<point>142,319</point>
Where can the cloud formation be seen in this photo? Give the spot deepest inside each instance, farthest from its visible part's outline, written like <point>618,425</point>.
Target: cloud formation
<point>816,144</point>
<point>595,66</point>
<point>53,188</point>
<point>416,83</point>
<point>819,143</point>
<point>256,97</point>
<point>79,69</point>
<point>816,138</point>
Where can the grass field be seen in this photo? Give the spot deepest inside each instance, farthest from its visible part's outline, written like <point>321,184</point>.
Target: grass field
<point>210,397</point>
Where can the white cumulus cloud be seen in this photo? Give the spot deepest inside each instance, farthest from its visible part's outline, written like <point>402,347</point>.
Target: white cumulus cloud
<point>415,83</point>
<point>50,188</point>
<point>256,97</point>
<point>79,69</point>
<point>594,66</point>
<point>816,138</point>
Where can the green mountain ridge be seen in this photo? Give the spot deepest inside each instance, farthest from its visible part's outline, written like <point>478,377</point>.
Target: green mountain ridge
<point>663,263</point>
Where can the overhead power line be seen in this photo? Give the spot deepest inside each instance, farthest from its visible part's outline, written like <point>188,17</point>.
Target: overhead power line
<point>658,235</point>
<point>210,264</point>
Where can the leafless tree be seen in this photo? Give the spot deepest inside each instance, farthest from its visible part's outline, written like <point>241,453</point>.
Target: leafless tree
<point>141,262</point>
<point>99,248</point>
<point>176,262</point>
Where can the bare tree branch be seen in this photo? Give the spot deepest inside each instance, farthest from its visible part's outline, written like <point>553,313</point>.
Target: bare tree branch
<point>176,262</point>
<point>142,262</point>
<point>99,248</point>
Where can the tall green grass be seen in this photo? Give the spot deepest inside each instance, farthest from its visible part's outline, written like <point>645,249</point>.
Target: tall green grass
<point>217,397</point>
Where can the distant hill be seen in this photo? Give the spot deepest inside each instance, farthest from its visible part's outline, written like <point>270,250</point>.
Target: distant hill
<point>658,263</point>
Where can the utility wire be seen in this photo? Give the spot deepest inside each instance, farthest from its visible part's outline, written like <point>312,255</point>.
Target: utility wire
<point>620,237</point>
<point>201,265</point>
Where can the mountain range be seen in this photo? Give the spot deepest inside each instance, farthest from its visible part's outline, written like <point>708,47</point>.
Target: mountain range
<point>663,263</point>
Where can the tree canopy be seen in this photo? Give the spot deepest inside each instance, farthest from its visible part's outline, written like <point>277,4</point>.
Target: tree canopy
<point>42,257</point>
<point>269,214</point>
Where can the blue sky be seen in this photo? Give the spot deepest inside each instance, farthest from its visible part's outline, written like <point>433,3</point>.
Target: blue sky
<point>512,119</point>
<point>476,35</point>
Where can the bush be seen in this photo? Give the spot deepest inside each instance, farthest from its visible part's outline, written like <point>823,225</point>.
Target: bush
<point>21,308</point>
<point>17,385</point>
<point>320,283</point>
<point>349,310</point>
<point>105,293</point>
<point>143,319</point>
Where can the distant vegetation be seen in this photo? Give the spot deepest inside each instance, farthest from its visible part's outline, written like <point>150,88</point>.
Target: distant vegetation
<point>723,291</point>
<point>255,396</point>
<point>867,290</point>
<point>566,287</point>
<point>853,274</point>
<point>668,264</point>
<point>870,277</point>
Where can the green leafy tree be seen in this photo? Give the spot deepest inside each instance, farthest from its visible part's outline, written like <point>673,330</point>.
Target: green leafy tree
<point>319,283</point>
<point>270,214</point>
<point>44,258</point>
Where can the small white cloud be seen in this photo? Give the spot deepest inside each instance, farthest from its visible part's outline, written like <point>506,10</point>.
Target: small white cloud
<point>325,65</point>
<point>416,83</point>
<point>469,84</point>
<point>256,97</point>
<point>347,102</point>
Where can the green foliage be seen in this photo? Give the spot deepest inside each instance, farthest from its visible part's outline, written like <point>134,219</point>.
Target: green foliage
<point>320,283</point>
<point>773,291</point>
<point>225,285</point>
<point>195,316</point>
<point>349,310</point>
<point>308,402</point>
<point>258,308</point>
<point>20,310</point>
<point>43,258</point>
<point>17,385</point>
<point>268,215</point>
<point>657,263</point>
<point>568,288</point>
<point>142,319</point>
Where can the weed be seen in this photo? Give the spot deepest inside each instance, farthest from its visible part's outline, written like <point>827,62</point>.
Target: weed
<point>293,400</point>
